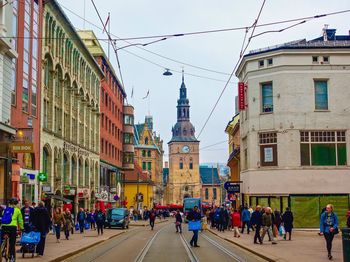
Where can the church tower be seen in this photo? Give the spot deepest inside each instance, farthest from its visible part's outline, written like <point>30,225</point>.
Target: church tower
<point>184,178</point>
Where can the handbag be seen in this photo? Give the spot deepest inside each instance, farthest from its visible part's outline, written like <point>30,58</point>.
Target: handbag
<point>177,223</point>
<point>335,231</point>
<point>194,225</point>
<point>281,230</point>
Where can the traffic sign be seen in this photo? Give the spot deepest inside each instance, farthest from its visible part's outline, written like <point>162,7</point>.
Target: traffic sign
<point>232,187</point>
<point>42,177</point>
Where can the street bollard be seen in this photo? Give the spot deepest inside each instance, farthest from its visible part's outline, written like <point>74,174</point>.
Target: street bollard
<point>346,244</point>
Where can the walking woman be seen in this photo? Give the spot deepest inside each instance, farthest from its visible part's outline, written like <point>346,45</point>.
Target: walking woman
<point>287,219</point>
<point>58,221</point>
<point>329,227</point>
<point>68,223</point>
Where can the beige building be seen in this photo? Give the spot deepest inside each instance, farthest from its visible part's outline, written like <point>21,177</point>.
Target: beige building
<point>184,179</point>
<point>294,130</point>
<point>211,186</point>
<point>70,111</point>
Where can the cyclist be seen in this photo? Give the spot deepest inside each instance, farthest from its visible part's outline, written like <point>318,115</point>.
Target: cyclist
<point>11,220</point>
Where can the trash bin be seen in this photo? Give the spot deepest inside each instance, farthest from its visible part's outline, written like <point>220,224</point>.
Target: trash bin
<point>346,244</point>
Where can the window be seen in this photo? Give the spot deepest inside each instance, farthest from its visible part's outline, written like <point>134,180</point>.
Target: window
<point>315,59</point>
<point>146,141</point>
<point>191,163</point>
<point>129,120</point>
<point>128,157</point>
<point>261,63</point>
<point>267,97</point>
<point>206,193</point>
<point>321,95</point>
<point>149,153</point>
<point>25,96</point>
<point>143,165</point>
<point>181,164</point>
<point>149,166</point>
<point>323,148</point>
<point>34,99</point>
<point>326,59</point>
<point>143,153</point>
<point>13,82</point>
<point>268,149</point>
<point>128,138</point>
<point>214,193</point>
<point>270,62</point>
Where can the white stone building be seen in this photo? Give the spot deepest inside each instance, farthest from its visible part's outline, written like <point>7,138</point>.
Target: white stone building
<point>295,129</point>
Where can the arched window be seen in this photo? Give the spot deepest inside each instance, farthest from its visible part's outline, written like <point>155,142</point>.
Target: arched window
<point>181,164</point>
<point>47,163</point>
<point>146,141</point>
<point>191,163</point>
<point>87,173</point>
<point>66,170</point>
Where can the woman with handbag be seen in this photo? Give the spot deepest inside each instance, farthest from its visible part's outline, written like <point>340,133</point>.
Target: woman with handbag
<point>58,220</point>
<point>329,227</point>
<point>178,221</point>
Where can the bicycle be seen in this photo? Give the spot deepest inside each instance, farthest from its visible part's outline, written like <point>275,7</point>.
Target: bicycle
<point>5,248</point>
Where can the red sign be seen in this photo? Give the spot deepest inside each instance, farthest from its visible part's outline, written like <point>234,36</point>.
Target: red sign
<point>241,96</point>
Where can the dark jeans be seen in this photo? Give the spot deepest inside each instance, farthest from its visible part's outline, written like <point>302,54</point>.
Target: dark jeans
<point>66,232</point>
<point>41,245</point>
<point>58,231</point>
<point>12,232</point>
<point>151,222</point>
<point>100,228</point>
<point>329,239</point>
<point>257,234</point>
<point>194,238</point>
<point>27,228</point>
<point>245,223</point>
<point>92,225</point>
<point>178,228</point>
<point>222,226</point>
<point>81,226</point>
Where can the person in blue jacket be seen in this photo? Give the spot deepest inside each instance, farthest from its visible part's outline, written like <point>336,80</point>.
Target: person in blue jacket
<point>329,227</point>
<point>245,219</point>
<point>194,215</point>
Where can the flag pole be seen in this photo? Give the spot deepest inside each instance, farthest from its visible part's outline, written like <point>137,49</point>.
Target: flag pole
<point>109,33</point>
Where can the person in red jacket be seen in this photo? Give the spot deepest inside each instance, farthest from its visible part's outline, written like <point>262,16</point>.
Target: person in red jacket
<point>236,222</point>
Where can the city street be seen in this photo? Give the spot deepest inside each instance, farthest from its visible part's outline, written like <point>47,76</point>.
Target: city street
<point>163,244</point>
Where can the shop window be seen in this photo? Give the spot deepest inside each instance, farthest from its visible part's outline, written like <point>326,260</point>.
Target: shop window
<point>268,149</point>
<point>267,98</point>
<point>321,95</point>
<point>323,148</point>
<point>206,193</point>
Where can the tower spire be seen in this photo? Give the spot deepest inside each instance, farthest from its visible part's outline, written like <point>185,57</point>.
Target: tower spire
<point>183,76</point>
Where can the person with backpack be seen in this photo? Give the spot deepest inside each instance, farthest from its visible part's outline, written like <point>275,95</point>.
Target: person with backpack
<point>81,219</point>
<point>152,218</point>
<point>99,218</point>
<point>27,212</point>
<point>329,227</point>
<point>41,223</point>
<point>11,220</point>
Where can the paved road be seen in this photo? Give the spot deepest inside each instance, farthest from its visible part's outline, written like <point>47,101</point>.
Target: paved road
<point>163,244</point>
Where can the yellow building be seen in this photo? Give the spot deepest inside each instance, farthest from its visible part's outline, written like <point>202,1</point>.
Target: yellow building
<point>138,188</point>
<point>149,155</point>
<point>232,129</point>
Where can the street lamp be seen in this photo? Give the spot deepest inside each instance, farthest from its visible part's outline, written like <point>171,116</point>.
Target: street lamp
<point>167,72</point>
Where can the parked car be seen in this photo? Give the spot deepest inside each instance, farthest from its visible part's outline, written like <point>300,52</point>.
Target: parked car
<point>117,217</point>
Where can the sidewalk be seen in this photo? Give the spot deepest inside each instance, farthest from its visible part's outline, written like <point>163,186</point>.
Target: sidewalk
<point>76,243</point>
<point>143,223</point>
<point>305,246</point>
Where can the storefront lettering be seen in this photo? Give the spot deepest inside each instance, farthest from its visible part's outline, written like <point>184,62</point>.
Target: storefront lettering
<point>75,149</point>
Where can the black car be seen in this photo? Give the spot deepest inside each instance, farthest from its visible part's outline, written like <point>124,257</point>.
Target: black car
<point>117,217</point>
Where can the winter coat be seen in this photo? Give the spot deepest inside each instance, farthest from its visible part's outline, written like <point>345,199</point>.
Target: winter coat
<point>41,220</point>
<point>287,219</point>
<point>327,221</point>
<point>99,217</point>
<point>178,218</point>
<point>256,218</point>
<point>236,219</point>
<point>81,216</point>
<point>58,219</point>
<point>68,221</point>
<point>245,215</point>
<point>223,216</point>
<point>193,215</point>
<point>266,220</point>
<point>27,220</point>
<point>277,219</point>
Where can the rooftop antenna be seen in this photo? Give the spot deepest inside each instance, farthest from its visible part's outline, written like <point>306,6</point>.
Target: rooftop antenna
<point>325,36</point>
<point>84,15</point>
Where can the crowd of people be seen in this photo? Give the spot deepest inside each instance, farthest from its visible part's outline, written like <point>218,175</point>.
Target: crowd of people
<point>38,218</point>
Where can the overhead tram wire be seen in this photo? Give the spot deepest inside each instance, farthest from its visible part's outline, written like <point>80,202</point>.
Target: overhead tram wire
<point>234,69</point>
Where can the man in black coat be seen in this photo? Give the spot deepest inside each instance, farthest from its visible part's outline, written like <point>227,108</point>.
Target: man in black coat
<point>256,221</point>
<point>287,219</point>
<point>41,223</point>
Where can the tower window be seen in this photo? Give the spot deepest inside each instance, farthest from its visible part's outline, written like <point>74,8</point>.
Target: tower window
<point>146,141</point>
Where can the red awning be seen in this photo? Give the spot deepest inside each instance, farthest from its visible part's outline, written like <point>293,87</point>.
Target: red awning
<point>175,206</point>
<point>161,207</point>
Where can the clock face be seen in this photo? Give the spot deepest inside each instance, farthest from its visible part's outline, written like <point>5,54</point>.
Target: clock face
<point>185,149</point>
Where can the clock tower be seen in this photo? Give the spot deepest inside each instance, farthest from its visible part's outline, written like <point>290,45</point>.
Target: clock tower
<point>184,178</point>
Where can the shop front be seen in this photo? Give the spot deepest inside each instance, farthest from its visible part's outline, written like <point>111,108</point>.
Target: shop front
<point>29,185</point>
<point>83,198</point>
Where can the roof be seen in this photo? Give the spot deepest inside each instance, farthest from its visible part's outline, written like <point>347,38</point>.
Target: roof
<point>165,175</point>
<point>132,175</point>
<point>209,176</point>
<point>138,130</point>
<point>232,123</point>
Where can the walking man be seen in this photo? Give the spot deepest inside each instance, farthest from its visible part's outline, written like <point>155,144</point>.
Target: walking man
<point>245,219</point>
<point>256,221</point>
<point>178,222</point>
<point>194,216</point>
<point>267,225</point>
<point>152,218</point>
<point>100,218</point>
<point>81,219</point>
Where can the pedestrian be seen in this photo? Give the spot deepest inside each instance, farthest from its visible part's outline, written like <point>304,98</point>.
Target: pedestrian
<point>27,212</point>
<point>250,209</point>
<point>81,219</point>
<point>152,218</point>
<point>287,219</point>
<point>223,218</point>
<point>245,219</point>
<point>135,214</point>
<point>12,220</point>
<point>277,221</point>
<point>217,218</point>
<point>194,216</point>
<point>58,221</point>
<point>178,221</point>
<point>267,225</point>
<point>256,222</point>
<point>348,219</point>
<point>41,223</point>
<point>100,219</point>
<point>229,219</point>
<point>68,223</point>
<point>91,220</point>
<point>211,218</point>
<point>236,223</point>
<point>329,227</point>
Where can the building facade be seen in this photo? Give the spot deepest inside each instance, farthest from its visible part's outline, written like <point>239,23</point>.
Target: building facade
<point>70,138</point>
<point>111,122</point>
<point>211,186</point>
<point>149,155</point>
<point>8,57</point>
<point>184,179</point>
<point>25,96</point>
<point>294,130</point>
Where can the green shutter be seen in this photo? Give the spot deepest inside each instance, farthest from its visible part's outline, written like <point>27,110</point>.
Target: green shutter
<point>323,154</point>
<point>341,154</point>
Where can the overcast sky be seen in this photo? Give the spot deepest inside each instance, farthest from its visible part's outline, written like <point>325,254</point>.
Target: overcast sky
<point>217,51</point>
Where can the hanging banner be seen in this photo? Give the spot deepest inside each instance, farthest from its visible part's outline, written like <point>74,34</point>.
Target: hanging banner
<point>241,96</point>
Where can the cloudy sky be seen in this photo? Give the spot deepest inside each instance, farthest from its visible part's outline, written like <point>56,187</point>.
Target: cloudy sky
<point>215,51</point>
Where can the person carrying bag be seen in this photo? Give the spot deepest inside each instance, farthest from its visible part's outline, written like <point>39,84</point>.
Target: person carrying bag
<point>194,224</point>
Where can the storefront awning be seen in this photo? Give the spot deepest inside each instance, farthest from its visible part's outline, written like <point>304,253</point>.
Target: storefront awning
<point>60,198</point>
